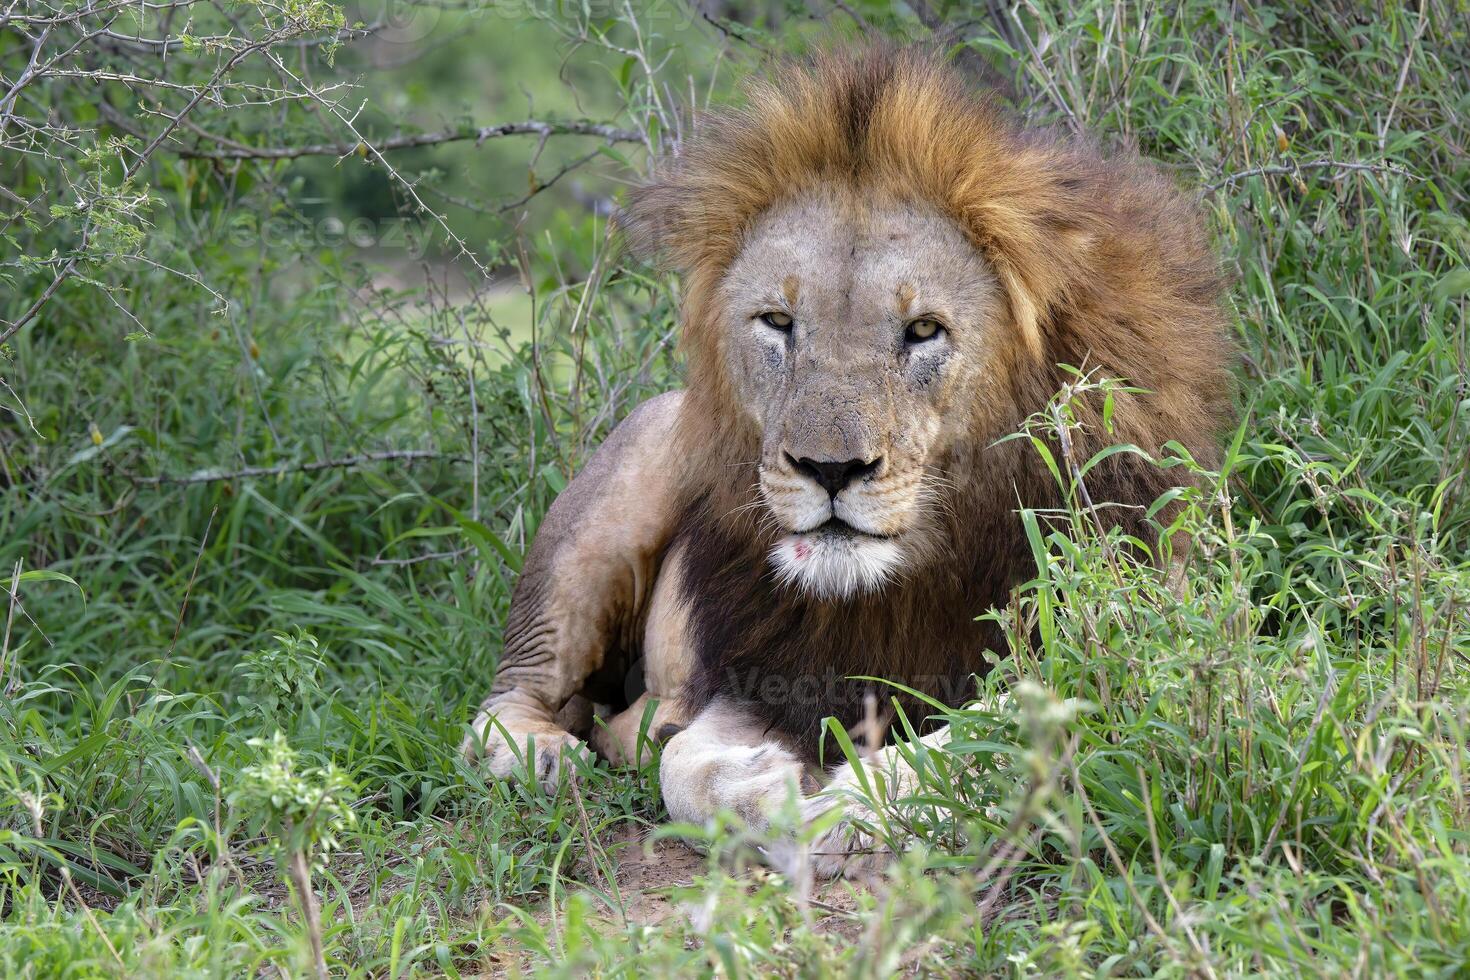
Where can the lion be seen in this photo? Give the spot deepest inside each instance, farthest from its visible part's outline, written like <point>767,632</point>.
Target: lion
<point>884,275</point>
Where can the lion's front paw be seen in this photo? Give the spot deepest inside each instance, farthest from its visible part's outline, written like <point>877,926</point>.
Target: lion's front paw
<point>538,754</point>
<point>846,849</point>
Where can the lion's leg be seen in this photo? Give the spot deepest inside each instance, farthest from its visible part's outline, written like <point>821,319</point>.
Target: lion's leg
<point>725,760</point>
<point>667,658</point>
<point>515,729</point>
<point>584,587</point>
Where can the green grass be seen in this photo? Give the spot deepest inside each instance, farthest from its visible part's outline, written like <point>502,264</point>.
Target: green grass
<point>1267,773</point>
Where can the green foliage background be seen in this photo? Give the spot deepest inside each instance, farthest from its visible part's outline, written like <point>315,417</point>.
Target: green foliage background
<point>274,444</point>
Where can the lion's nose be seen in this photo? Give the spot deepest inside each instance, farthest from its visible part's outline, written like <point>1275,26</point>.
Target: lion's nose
<point>833,474</point>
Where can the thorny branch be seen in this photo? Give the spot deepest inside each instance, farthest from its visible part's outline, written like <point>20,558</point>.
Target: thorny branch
<point>1293,169</point>
<point>612,134</point>
<point>129,172</point>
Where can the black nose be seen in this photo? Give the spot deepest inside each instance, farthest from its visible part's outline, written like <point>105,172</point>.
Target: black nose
<point>833,474</point>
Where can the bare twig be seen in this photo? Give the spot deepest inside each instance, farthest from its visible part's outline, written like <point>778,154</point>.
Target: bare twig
<point>9,621</point>
<point>299,869</point>
<point>91,917</point>
<point>255,472</point>
<point>541,185</point>
<point>184,606</point>
<point>8,102</point>
<point>163,45</point>
<point>1049,83</point>
<point>856,17</point>
<point>967,59</point>
<point>420,559</point>
<point>530,127</point>
<point>1283,171</point>
<point>1398,89</point>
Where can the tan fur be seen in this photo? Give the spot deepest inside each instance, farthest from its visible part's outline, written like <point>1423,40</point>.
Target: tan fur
<point>666,663</point>
<point>905,296</point>
<point>791,287</point>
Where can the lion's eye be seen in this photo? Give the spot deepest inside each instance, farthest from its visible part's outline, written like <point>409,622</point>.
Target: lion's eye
<point>918,331</point>
<point>776,320</point>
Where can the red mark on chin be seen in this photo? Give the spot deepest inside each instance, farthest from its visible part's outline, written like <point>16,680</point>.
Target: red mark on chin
<point>802,550</point>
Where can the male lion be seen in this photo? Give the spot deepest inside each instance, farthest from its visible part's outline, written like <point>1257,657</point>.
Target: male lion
<point>882,274</point>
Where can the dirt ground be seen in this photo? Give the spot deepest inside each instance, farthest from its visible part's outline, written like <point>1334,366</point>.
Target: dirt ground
<point>649,870</point>
<point>654,876</point>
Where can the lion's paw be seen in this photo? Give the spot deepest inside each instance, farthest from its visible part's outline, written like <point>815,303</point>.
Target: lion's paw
<point>846,849</point>
<point>538,755</point>
<point>752,781</point>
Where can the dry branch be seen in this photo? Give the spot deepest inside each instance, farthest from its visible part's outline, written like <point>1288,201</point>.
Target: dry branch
<point>612,134</point>
<point>256,472</point>
<point>1291,169</point>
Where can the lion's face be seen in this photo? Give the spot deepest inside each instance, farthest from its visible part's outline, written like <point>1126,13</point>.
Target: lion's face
<point>860,334</point>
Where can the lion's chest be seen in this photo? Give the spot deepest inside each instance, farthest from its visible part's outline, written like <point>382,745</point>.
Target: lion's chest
<point>795,662</point>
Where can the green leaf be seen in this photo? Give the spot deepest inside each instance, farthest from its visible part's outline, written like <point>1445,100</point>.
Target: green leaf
<point>482,535</point>
<point>1110,451</point>
<point>553,478</point>
<point>46,575</point>
<point>1455,284</point>
<point>82,455</point>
